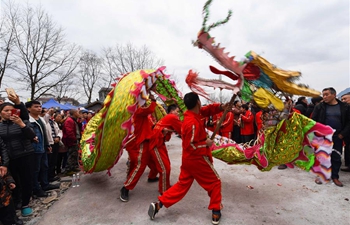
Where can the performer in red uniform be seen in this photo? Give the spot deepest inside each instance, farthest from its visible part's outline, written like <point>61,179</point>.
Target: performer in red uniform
<point>161,133</point>
<point>258,120</point>
<point>138,147</point>
<point>247,130</point>
<point>197,161</point>
<point>227,126</point>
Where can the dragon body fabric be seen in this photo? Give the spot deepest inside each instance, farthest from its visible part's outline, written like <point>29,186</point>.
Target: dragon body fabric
<point>109,130</point>
<point>291,139</point>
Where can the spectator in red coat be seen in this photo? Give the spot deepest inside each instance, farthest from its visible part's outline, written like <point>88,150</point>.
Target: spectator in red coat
<point>71,137</point>
<point>247,124</point>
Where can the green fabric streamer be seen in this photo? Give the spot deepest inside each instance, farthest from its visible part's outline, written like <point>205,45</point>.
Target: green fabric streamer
<point>246,92</point>
<point>306,165</point>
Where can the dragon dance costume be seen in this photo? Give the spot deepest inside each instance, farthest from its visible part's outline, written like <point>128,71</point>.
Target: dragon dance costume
<point>285,139</point>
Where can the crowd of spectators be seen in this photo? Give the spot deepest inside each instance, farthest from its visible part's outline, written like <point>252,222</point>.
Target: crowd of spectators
<point>37,147</point>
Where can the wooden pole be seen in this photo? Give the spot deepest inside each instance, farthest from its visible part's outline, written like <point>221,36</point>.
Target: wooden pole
<point>230,104</point>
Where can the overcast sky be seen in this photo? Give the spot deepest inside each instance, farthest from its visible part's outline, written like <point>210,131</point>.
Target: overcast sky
<point>309,36</point>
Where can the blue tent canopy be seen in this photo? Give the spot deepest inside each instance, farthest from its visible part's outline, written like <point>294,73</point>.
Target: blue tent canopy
<point>70,106</point>
<point>54,104</point>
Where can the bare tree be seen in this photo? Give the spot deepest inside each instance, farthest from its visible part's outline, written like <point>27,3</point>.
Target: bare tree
<point>91,72</point>
<point>46,58</point>
<point>122,59</point>
<point>6,39</point>
<point>66,88</point>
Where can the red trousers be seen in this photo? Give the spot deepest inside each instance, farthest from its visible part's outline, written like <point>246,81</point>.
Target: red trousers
<point>153,172</point>
<point>139,159</point>
<point>161,158</point>
<point>201,170</point>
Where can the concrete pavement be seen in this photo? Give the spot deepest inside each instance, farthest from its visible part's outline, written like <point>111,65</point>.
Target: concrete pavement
<point>250,197</point>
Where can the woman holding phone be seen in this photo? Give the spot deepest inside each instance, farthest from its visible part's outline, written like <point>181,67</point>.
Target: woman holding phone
<point>17,135</point>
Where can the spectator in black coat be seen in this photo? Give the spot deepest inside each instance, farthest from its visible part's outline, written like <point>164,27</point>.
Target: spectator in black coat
<point>301,105</point>
<point>311,106</point>
<point>18,136</point>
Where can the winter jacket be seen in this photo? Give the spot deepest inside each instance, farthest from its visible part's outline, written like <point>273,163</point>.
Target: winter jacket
<point>43,135</point>
<point>17,140</point>
<point>310,108</point>
<point>58,132</point>
<point>70,134</point>
<point>319,115</point>
<point>5,160</point>
<point>301,106</point>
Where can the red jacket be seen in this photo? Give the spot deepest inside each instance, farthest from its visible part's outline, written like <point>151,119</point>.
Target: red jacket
<point>193,132</point>
<point>69,130</point>
<point>248,123</point>
<point>258,120</point>
<point>227,125</point>
<point>142,125</point>
<point>169,121</point>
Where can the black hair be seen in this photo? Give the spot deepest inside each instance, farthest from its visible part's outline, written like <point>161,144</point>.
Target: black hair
<point>72,111</point>
<point>191,100</point>
<point>31,103</point>
<point>245,106</point>
<point>300,99</point>
<point>331,90</point>
<point>171,108</point>
<point>2,106</point>
<point>316,100</point>
<point>235,102</point>
<point>57,114</point>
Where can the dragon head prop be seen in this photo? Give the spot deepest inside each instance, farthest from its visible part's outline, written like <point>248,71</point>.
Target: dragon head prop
<point>252,74</point>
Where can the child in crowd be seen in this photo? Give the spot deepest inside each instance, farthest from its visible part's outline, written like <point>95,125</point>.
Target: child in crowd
<point>7,208</point>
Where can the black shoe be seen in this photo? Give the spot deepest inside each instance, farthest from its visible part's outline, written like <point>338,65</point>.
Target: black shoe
<point>151,180</point>
<point>40,193</point>
<point>153,210</point>
<point>215,218</point>
<point>56,178</point>
<point>52,187</point>
<point>282,167</point>
<point>124,194</point>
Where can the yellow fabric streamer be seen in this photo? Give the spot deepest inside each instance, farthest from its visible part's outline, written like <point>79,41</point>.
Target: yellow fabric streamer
<point>264,98</point>
<point>281,78</point>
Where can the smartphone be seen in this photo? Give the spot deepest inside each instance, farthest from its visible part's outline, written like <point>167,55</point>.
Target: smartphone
<point>15,112</point>
<point>11,92</point>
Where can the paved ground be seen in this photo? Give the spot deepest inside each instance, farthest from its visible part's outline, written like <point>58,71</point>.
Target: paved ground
<point>250,197</point>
